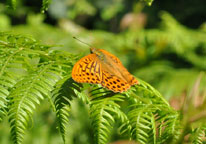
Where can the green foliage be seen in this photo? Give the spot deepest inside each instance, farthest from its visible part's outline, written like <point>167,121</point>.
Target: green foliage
<point>28,75</point>
<point>148,2</point>
<point>103,109</point>
<point>36,79</point>
<point>81,6</point>
<point>31,73</point>
<point>150,114</point>
<point>107,9</point>
<point>62,94</point>
<point>11,4</point>
<point>198,134</point>
<point>45,5</point>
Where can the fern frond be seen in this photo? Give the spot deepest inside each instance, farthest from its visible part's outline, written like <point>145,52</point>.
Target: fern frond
<point>170,127</point>
<point>184,47</point>
<point>3,101</point>
<point>143,124</point>
<point>198,134</point>
<point>14,62</point>
<point>148,109</point>
<point>103,108</point>
<point>145,92</point>
<point>158,99</point>
<point>26,94</point>
<point>28,74</point>
<point>8,62</point>
<point>63,95</point>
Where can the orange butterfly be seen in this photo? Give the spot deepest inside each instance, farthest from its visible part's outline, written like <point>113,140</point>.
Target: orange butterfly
<point>102,67</point>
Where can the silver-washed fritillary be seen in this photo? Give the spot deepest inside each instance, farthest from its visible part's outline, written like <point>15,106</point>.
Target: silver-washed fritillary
<point>102,67</point>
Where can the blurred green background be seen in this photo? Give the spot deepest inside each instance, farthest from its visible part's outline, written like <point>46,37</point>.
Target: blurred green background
<point>164,44</point>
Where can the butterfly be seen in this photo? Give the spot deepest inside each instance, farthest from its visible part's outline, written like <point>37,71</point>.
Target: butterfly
<point>102,67</point>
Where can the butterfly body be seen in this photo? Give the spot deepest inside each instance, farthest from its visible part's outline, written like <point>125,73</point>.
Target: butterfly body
<point>101,67</point>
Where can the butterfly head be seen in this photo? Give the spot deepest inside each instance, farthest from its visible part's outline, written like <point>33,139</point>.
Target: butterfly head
<point>97,52</point>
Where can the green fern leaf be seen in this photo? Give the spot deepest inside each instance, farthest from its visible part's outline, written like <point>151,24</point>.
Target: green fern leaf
<point>198,135</point>
<point>103,107</point>
<point>24,97</point>
<point>63,95</point>
<point>169,128</point>
<point>12,66</point>
<point>148,108</point>
<point>143,123</point>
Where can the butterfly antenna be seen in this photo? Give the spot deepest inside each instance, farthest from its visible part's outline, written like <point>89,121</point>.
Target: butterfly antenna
<point>82,41</point>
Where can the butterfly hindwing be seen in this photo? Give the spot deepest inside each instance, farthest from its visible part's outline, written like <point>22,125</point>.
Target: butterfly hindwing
<point>87,70</point>
<point>114,83</point>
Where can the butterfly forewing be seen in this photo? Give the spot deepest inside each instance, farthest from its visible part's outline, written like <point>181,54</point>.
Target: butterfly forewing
<point>87,70</point>
<point>119,69</point>
<point>113,57</point>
